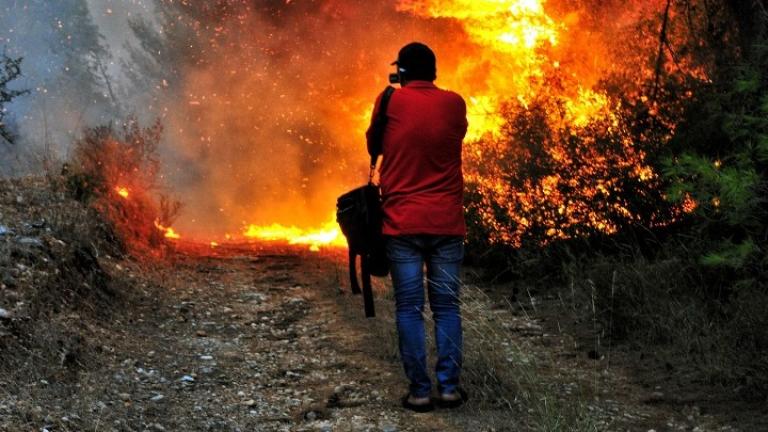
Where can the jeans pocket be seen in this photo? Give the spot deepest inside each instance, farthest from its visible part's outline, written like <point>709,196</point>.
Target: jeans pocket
<point>448,249</point>
<point>402,249</point>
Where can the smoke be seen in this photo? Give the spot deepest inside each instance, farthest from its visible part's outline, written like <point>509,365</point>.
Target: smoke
<point>267,123</point>
<point>71,71</point>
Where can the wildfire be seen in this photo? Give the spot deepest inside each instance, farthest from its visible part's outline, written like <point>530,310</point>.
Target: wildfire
<point>327,235</point>
<point>168,232</point>
<point>510,59</point>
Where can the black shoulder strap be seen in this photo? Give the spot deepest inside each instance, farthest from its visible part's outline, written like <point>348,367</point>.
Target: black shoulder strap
<point>385,101</point>
<point>381,121</point>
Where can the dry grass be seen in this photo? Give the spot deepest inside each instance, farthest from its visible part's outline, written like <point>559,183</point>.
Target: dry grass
<point>53,283</point>
<point>665,304</point>
<point>116,171</point>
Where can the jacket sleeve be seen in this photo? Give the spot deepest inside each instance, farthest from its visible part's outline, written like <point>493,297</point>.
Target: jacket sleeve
<point>369,132</point>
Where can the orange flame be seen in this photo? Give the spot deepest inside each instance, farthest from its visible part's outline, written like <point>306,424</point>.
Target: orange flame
<point>122,191</point>
<point>327,235</point>
<point>168,232</point>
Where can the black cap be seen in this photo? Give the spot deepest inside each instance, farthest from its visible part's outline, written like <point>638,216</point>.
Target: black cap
<point>416,61</point>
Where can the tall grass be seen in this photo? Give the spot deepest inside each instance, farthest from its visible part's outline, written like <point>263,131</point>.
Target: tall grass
<point>670,302</point>
<point>510,381</point>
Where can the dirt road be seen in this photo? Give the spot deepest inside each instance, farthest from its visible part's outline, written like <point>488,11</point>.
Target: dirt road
<point>264,339</point>
<point>231,340</point>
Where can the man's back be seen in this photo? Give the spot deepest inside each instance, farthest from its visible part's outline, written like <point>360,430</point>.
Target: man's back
<point>421,177</point>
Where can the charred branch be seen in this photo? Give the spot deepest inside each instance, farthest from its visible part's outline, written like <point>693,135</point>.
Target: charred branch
<point>660,56</point>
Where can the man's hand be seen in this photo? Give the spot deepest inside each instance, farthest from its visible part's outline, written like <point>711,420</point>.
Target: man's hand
<point>375,175</point>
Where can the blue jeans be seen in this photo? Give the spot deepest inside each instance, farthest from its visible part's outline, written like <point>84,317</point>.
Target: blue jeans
<point>443,256</point>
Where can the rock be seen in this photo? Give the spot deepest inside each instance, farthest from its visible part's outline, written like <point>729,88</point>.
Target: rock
<point>157,398</point>
<point>4,314</point>
<point>30,241</point>
<point>388,427</point>
<point>158,427</point>
<point>201,333</point>
<point>255,297</point>
<point>187,379</point>
<point>206,357</point>
<point>655,397</point>
<point>249,402</point>
<point>9,281</point>
<point>125,397</point>
<point>4,230</point>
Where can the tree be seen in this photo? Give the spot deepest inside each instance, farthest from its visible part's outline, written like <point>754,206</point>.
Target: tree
<point>63,51</point>
<point>83,84</point>
<point>10,69</point>
<point>720,156</point>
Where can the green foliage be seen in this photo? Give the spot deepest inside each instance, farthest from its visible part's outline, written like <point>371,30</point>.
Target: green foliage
<point>725,171</point>
<point>731,255</point>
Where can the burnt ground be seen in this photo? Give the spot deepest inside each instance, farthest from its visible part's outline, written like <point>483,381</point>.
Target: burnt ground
<point>263,338</point>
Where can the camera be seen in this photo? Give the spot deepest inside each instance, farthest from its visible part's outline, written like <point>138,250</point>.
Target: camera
<point>394,78</point>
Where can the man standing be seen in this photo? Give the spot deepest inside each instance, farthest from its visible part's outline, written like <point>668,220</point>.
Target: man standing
<point>422,201</point>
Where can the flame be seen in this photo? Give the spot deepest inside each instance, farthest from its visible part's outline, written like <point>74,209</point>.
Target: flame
<point>168,232</point>
<point>327,235</point>
<point>122,191</point>
<point>514,37</point>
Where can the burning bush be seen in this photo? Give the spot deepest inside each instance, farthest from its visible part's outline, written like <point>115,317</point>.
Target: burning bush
<point>547,177</point>
<point>117,173</point>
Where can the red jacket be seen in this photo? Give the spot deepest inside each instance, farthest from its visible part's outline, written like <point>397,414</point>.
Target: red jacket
<point>422,186</point>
